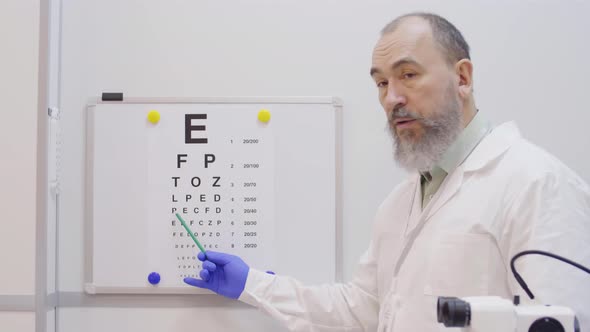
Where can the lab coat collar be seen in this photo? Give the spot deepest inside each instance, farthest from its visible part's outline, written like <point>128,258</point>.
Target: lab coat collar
<point>498,141</point>
<point>489,149</point>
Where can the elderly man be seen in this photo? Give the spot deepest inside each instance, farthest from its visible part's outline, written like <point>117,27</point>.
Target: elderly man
<point>476,196</point>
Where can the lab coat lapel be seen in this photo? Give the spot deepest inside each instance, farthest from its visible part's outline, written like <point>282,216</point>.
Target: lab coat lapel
<point>447,190</point>
<point>415,207</point>
<point>418,217</point>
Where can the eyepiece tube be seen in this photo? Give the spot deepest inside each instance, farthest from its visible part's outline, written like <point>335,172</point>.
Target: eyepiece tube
<point>453,312</point>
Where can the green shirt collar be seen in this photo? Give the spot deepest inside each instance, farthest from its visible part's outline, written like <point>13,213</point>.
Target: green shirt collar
<point>467,140</point>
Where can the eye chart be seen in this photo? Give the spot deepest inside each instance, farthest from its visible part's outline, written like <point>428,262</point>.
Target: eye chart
<point>220,179</point>
<point>254,177</point>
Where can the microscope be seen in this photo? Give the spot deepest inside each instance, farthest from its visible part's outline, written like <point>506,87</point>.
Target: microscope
<point>495,314</point>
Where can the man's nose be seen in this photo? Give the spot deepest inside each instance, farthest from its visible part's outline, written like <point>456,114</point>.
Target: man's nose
<point>393,99</point>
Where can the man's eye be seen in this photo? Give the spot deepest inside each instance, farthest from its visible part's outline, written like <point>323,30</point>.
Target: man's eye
<point>381,84</point>
<point>409,75</point>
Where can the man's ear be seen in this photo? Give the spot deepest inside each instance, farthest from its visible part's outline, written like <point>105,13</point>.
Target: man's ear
<point>464,71</point>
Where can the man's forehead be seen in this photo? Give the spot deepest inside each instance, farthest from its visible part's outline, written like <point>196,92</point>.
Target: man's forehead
<point>411,36</point>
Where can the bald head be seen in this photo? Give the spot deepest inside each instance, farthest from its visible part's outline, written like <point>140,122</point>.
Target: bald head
<point>447,37</point>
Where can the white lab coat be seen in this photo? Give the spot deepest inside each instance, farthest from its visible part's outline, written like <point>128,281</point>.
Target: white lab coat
<point>508,196</point>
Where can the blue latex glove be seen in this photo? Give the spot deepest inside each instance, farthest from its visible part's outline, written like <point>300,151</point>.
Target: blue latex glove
<point>223,274</point>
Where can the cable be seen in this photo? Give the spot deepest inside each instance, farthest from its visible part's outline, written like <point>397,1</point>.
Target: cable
<point>539,252</point>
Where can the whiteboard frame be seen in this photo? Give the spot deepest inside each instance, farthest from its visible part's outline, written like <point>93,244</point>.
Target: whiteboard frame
<point>89,286</point>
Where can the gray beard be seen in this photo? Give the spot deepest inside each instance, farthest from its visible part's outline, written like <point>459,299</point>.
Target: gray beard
<point>440,131</point>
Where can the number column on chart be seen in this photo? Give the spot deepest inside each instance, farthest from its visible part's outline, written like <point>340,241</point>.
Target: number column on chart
<point>247,173</point>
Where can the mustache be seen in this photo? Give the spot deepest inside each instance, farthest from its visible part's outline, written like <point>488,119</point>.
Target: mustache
<point>402,112</point>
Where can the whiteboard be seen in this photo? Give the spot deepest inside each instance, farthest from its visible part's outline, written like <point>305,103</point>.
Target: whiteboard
<point>268,191</point>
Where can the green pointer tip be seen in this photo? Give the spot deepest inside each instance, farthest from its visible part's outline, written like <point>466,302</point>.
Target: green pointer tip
<point>191,234</point>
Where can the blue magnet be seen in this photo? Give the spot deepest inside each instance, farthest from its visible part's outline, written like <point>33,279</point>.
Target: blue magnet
<point>154,278</point>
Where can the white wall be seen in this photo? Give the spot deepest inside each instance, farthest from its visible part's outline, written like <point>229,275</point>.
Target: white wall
<point>19,29</point>
<point>19,57</point>
<point>530,65</point>
<point>17,321</point>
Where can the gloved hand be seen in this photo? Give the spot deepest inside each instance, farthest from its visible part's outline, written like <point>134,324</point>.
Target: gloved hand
<point>222,273</point>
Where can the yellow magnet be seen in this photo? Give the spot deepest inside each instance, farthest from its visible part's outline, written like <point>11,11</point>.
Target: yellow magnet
<point>264,116</point>
<point>153,117</point>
